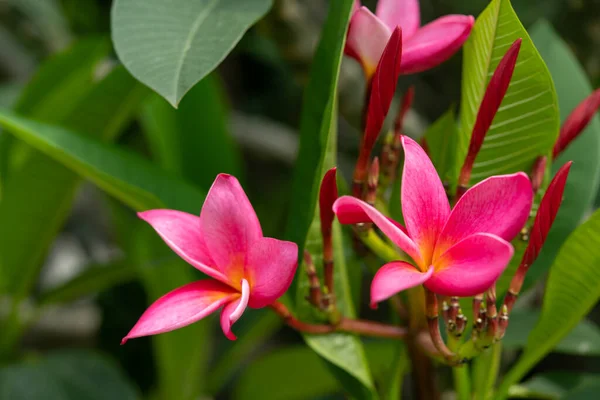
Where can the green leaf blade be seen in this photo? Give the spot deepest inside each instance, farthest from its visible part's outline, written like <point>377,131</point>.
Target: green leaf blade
<point>527,122</point>
<point>572,86</point>
<point>572,290</point>
<point>170,46</point>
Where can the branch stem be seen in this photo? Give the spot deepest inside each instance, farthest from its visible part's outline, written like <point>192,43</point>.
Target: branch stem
<point>357,326</point>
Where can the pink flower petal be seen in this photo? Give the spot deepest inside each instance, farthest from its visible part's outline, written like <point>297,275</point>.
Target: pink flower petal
<point>471,266</point>
<point>181,307</point>
<point>367,37</point>
<point>425,205</point>
<point>435,42</point>
<point>395,277</point>
<point>349,209</point>
<point>181,231</point>
<point>234,310</point>
<point>499,205</point>
<point>403,13</point>
<point>271,268</point>
<point>229,225</point>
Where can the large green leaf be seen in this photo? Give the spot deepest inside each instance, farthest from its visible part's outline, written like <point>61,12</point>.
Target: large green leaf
<point>62,80</point>
<point>553,385</point>
<point>297,373</point>
<point>572,86</point>
<point>583,340</point>
<point>66,375</point>
<point>48,20</point>
<point>131,179</point>
<point>194,140</point>
<point>94,279</point>
<point>101,113</point>
<point>317,154</point>
<point>441,138</point>
<point>170,46</point>
<point>253,331</point>
<point>527,123</point>
<point>572,290</point>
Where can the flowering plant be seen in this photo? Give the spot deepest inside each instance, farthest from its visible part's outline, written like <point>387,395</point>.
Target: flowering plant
<point>233,258</point>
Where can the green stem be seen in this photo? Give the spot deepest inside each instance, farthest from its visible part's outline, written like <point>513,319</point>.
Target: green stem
<point>460,374</point>
<point>379,247</point>
<point>486,368</point>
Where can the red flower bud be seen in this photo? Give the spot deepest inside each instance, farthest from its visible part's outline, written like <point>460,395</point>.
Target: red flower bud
<point>492,99</point>
<point>576,122</point>
<point>328,194</point>
<point>383,87</point>
<point>537,172</point>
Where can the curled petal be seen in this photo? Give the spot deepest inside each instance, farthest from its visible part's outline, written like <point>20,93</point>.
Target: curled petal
<point>546,214</point>
<point>367,37</point>
<point>499,205</point>
<point>271,267</point>
<point>424,203</point>
<point>577,121</point>
<point>395,277</point>
<point>471,266</point>
<point>435,42</point>
<point>402,13</point>
<point>229,225</point>
<point>181,231</point>
<point>234,310</point>
<point>348,209</point>
<point>182,306</point>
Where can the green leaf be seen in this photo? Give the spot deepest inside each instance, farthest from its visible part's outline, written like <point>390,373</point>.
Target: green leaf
<point>297,373</point>
<point>29,382</point>
<point>48,20</point>
<point>94,279</point>
<point>572,86</point>
<point>85,375</point>
<point>527,123</point>
<point>253,331</point>
<point>571,291</point>
<point>66,375</point>
<point>553,385</point>
<point>318,144</point>
<point>171,46</point>
<point>62,80</point>
<point>585,392</point>
<point>131,179</point>
<point>101,113</point>
<point>583,340</point>
<point>193,141</point>
<point>441,138</point>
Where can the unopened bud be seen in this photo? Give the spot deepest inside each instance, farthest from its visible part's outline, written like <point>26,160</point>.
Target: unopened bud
<point>537,172</point>
<point>576,122</point>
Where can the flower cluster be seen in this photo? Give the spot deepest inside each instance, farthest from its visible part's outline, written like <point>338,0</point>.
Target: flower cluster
<point>458,244</point>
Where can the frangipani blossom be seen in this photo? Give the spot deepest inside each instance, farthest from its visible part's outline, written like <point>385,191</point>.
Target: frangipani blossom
<point>422,47</point>
<point>226,243</point>
<point>459,252</point>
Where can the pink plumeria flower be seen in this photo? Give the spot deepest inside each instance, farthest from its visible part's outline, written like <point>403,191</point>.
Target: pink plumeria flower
<point>226,243</point>
<point>422,47</point>
<point>456,253</point>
